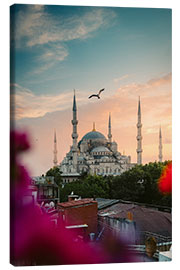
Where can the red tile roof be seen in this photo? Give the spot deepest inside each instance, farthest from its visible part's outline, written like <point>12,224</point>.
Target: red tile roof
<point>76,203</point>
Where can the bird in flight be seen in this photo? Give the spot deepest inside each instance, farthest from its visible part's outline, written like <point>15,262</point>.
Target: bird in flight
<point>97,95</point>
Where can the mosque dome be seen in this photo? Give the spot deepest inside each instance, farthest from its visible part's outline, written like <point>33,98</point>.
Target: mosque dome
<point>93,135</point>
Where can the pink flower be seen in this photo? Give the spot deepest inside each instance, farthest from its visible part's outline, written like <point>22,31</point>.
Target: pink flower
<point>19,142</point>
<point>34,240</point>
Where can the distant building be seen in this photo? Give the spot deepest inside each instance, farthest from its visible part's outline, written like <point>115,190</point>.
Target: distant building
<point>47,189</point>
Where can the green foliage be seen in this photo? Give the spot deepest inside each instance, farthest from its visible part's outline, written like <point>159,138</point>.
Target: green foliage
<point>56,173</point>
<point>139,184</point>
<point>89,186</point>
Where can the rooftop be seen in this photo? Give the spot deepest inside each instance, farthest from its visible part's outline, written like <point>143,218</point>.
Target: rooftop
<point>147,219</point>
<point>103,203</point>
<point>76,203</point>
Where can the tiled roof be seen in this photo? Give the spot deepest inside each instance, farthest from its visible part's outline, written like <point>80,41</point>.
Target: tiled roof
<point>76,203</point>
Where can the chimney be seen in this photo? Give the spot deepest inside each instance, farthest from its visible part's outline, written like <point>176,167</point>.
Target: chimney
<point>130,216</point>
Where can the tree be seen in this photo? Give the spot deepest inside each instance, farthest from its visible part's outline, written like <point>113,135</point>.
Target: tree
<point>56,173</point>
<point>140,184</point>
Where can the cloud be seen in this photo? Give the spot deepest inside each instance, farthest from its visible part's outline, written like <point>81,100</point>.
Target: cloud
<point>167,79</point>
<point>26,104</point>
<point>49,57</point>
<point>35,27</point>
<point>121,78</point>
<point>147,89</point>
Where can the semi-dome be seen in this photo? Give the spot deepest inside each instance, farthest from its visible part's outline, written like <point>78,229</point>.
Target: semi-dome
<point>100,149</point>
<point>93,135</point>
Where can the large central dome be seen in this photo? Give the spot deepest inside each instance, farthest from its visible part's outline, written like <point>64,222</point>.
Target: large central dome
<point>93,135</point>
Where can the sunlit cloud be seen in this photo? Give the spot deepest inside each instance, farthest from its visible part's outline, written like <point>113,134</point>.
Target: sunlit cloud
<point>167,79</point>
<point>147,89</point>
<point>26,104</point>
<point>121,78</point>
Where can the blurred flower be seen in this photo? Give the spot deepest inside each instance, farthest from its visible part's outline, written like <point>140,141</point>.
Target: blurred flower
<point>34,239</point>
<point>165,181</point>
<point>37,242</point>
<point>19,142</point>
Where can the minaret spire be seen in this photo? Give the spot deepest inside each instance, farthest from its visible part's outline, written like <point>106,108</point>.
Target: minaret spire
<point>74,134</point>
<point>160,146</point>
<point>139,136</point>
<point>55,150</point>
<point>109,129</point>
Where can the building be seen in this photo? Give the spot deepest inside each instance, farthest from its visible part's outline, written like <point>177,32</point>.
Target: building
<point>79,214</point>
<point>47,189</point>
<point>138,220</point>
<point>94,153</point>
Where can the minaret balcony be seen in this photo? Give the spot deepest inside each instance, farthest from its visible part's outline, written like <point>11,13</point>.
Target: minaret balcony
<point>139,137</point>
<point>139,150</point>
<point>74,122</point>
<point>74,135</point>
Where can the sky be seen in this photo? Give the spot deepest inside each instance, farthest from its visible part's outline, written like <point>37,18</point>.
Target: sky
<point>127,51</point>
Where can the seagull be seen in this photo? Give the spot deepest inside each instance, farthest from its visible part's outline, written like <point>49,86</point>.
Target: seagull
<point>98,95</point>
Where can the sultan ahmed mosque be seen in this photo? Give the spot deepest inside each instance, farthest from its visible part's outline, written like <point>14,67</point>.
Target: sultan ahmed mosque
<point>94,153</point>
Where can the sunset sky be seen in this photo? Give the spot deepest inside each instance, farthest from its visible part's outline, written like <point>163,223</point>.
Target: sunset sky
<point>127,51</point>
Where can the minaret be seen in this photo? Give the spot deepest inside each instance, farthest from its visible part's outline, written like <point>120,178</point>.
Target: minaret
<point>55,150</point>
<point>74,134</point>
<point>109,130</point>
<point>139,136</point>
<point>160,145</point>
